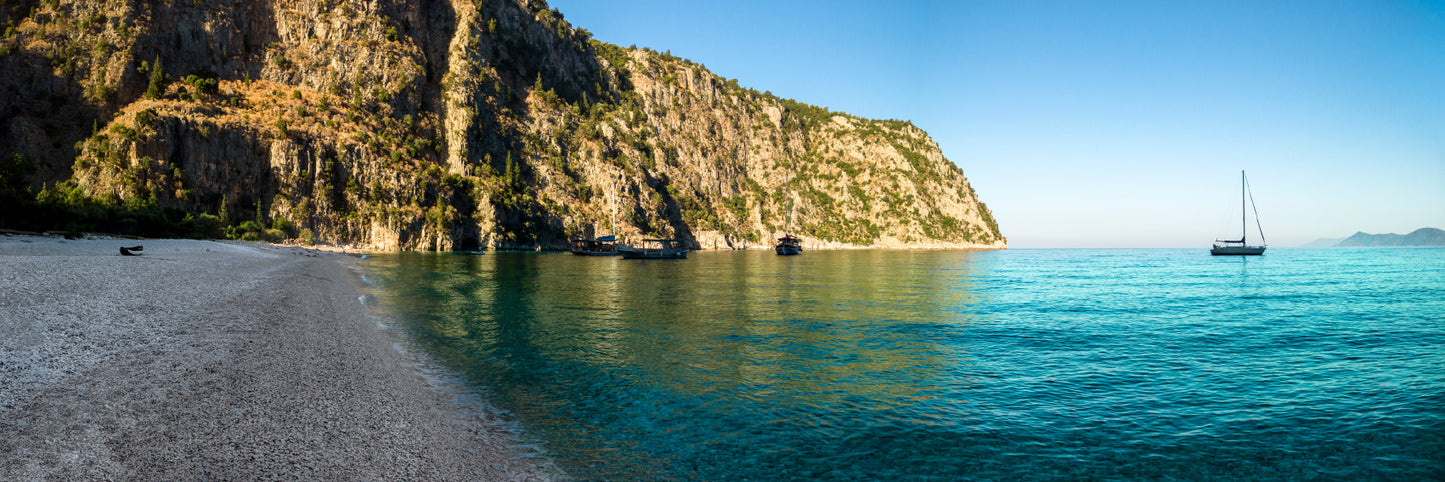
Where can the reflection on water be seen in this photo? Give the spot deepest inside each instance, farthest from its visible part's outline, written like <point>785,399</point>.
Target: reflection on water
<point>621,364</point>
<point>940,365</point>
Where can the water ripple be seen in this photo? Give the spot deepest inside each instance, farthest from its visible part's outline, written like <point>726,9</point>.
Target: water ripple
<point>1068,364</point>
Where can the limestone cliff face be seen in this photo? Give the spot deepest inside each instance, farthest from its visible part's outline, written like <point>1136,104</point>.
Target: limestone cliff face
<point>483,124</point>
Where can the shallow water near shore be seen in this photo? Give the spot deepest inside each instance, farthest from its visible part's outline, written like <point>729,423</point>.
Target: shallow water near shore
<point>948,364</point>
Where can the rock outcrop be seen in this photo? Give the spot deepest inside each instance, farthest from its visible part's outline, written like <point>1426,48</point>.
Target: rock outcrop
<point>438,125</point>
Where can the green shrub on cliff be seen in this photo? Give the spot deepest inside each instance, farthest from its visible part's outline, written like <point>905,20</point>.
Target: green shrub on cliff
<point>14,173</point>
<point>202,85</point>
<point>987,215</point>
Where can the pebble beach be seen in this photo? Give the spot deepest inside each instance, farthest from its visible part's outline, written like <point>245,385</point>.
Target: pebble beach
<point>229,360</point>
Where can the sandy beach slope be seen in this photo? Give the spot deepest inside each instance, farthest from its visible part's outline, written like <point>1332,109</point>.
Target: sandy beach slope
<point>205,360</point>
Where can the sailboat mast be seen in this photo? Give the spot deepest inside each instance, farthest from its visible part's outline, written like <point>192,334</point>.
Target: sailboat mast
<point>790,215</point>
<point>1243,230</point>
<point>1255,208</point>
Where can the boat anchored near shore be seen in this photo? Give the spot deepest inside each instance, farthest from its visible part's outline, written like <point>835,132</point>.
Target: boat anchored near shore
<point>789,245</point>
<point>655,249</point>
<point>601,246</point>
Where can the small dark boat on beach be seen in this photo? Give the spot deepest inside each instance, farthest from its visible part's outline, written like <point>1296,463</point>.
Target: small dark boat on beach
<point>789,245</point>
<point>655,249</point>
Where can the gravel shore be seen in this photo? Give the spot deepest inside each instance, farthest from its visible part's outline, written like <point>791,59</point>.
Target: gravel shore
<point>205,360</point>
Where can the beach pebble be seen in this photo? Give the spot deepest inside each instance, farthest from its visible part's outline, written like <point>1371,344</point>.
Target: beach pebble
<point>218,360</point>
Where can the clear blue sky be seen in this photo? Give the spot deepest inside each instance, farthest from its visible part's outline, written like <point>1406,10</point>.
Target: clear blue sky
<point>1112,124</point>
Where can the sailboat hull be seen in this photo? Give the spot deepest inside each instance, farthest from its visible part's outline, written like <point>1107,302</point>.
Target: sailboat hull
<point>1237,250</point>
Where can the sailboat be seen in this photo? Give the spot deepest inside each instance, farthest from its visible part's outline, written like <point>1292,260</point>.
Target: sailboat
<point>789,244</point>
<point>602,246</point>
<point>1240,247</point>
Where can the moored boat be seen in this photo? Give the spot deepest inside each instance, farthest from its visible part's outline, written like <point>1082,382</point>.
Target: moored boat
<point>789,245</point>
<point>603,246</point>
<point>655,249</point>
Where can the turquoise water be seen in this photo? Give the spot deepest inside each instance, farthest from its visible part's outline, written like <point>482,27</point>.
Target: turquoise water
<point>938,365</point>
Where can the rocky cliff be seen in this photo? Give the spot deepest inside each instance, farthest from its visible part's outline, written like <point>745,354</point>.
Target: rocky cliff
<point>430,124</point>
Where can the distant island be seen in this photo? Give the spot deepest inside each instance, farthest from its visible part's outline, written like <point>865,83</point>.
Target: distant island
<point>1420,237</point>
<point>1322,243</point>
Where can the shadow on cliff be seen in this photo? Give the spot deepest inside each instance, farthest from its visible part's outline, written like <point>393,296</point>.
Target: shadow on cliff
<point>185,37</point>
<point>528,48</point>
<point>673,214</point>
<point>526,53</point>
<point>44,115</point>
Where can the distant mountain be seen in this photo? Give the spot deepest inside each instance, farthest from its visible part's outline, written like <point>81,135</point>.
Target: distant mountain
<point>1323,243</point>
<point>1421,237</point>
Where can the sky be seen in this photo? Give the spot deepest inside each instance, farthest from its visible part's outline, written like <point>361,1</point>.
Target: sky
<point>1112,124</point>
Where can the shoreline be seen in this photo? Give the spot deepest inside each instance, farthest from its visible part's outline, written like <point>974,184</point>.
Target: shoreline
<point>205,359</point>
<point>542,250</point>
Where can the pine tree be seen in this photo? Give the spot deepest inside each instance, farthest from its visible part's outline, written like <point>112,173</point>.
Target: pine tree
<point>158,77</point>
<point>511,173</point>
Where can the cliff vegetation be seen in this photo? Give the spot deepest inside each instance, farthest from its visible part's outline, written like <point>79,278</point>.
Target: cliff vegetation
<point>433,125</point>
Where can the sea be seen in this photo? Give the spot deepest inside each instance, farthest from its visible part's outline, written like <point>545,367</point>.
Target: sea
<point>945,365</point>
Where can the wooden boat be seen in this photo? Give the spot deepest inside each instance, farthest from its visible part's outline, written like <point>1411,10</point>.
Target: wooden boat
<point>603,246</point>
<point>789,245</point>
<point>1240,247</point>
<point>655,249</point>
